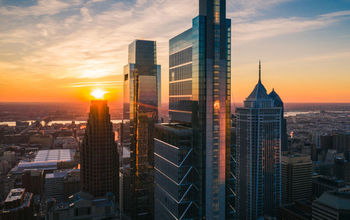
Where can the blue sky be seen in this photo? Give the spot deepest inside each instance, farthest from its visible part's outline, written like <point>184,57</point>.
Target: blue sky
<point>304,44</point>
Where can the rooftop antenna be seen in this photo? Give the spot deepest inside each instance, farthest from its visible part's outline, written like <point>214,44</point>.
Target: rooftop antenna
<point>260,71</point>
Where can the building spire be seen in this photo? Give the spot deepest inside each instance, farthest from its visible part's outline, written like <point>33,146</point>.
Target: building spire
<point>259,71</point>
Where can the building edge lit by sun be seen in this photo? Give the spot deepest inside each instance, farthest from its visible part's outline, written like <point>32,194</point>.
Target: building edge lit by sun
<point>199,105</point>
<point>141,101</point>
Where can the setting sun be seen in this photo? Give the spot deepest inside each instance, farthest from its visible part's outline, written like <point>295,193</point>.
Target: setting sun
<point>98,93</point>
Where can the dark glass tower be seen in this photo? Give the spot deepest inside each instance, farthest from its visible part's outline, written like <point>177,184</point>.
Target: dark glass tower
<point>141,92</point>
<point>199,99</point>
<point>258,154</point>
<point>99,157</point>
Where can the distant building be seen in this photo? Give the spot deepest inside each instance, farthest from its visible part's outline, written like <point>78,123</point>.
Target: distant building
<point>33,181</point>
<point>321,184</point>
<point>54,185</point>
<point>296,178</point>
<point>299,210</point>
<point>258,154</point>
<point>342,169</point>
<point>71,183</point>
<point>18,206</point>
<point>48,160</point>
<point>99,162</point>
<point>83,206</point>
<point>44,140</point>
<point>9,156</point>
<point>141,101</point>
<point>332,206</point>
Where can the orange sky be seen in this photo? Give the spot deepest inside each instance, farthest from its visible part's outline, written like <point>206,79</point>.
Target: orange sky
<point>61,53</point>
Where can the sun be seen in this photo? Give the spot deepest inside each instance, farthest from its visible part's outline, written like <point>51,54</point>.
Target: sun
<point>98,93</point>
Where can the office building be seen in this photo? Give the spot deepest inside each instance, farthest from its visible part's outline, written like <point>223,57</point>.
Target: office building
<point>199,108</point>
<point>332,206</point>
<point>258,154</point>
<point>299,210</point>
<point>277,101</point>
<point>296,178</point>
<point>342,169</point>
<point>48,161</point>
<point>71,183</point>
<point>83,205</point>
<point>18,205</point>
<point>174,172</point>
<point>99,163</point>
<point>33,181</point>
<point>54,185</point>
<point>141,101</point>
<point>321,184</point>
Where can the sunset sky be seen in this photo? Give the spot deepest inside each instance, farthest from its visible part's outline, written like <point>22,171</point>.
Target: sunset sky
<point>60,50</point>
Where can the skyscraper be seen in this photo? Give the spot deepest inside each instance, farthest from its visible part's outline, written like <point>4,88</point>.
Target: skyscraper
<point>296,178</point>
<point>141,92</point>
<point>199,106</point>
<point>258,154</point>
<point>99,167</point>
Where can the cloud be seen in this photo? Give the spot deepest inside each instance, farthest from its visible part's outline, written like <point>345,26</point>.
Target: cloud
<point>43,7</point>
<point>243,9</point>
<point>249,31</point>
<point>104,84</point>
<point>84,41</point>
<point>74,46</point>
<point>329,56</point>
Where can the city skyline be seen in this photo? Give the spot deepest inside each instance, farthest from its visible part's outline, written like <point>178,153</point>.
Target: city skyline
<point>52,50</point>
<point>147,109</point>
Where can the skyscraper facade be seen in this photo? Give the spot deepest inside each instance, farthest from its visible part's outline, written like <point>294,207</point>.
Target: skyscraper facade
<point>99,166</point>
<point>141,92</point>
<point>258,154</point>
<point>199,100</point>
<point>296,178</point>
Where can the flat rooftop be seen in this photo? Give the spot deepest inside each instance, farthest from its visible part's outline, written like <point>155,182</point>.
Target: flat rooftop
<point>55,175</point>
<point>56,155</point>
<point>15,194</point>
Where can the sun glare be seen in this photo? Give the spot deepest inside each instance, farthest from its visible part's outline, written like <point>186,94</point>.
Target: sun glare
<point>98,93</point>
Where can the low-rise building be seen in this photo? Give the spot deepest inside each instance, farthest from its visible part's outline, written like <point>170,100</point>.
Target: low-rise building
<point>332,206</point>
<point>18,205</point>
<point>83,206</point>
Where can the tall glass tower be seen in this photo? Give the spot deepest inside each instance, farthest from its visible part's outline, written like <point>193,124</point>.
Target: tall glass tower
<point>258,154</point>
<point>199,100</point>
<point>141,92</point>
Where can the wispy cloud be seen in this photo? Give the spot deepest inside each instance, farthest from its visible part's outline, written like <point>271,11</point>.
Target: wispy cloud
<point>43,7</point>
<point>91,43</point>
<point>104,84</point>
<point>280,26</point>
<point>87,39</point>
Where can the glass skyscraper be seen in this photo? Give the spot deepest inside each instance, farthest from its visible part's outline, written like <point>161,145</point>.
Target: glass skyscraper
<point>199,101</point>
<point>141,100</point>
<point>258,154</point>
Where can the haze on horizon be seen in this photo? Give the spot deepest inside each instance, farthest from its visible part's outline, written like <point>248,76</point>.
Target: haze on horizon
<point>60,50</point>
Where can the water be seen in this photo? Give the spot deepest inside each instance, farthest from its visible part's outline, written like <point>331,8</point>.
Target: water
<point>13,123</point>
<point>293,114</point>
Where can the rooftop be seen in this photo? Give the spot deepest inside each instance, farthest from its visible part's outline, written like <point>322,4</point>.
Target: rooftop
<point>54,175</point>
<point>336,200</point>
<point>54,155</point>
<point>15,194</point>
